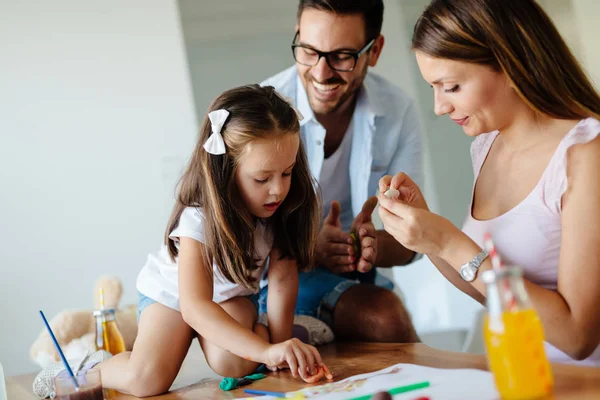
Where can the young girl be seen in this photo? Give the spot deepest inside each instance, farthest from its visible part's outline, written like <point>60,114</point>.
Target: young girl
<point>246,198</point>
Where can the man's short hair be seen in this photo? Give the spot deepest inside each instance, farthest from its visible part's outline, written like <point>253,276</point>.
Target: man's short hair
<point>371,10</point>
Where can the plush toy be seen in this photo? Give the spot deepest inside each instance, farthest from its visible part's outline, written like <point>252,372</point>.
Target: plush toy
<point>75,330</point>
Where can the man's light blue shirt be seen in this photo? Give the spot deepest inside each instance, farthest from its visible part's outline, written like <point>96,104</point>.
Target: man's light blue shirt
<point>386,136</point>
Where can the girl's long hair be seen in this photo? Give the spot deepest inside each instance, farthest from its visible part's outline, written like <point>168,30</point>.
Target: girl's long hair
<point>208,183</point>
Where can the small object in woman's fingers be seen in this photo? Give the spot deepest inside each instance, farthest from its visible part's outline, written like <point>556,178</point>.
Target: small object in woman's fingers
<point>391,193</point>
<point>381,396</point>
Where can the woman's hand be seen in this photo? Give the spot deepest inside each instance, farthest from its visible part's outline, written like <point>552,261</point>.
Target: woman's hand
<point>409,191</point>
<point>409,220</point>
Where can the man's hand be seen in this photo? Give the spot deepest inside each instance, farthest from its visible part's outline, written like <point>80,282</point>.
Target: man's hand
<point>363,229</point>
<point>334,246</point>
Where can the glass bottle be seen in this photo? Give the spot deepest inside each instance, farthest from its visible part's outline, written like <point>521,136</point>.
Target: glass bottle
<point>108,336</point>
<point>514,337</point>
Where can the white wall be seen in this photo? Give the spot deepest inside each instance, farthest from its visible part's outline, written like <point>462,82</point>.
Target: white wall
<point>229,44</point>
<point>562,13</point>
<point>585,19</point>
<point>96,119</point>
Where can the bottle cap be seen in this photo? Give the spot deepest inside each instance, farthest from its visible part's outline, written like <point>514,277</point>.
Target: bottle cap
<point>493,275</point>
<point>107,311</point>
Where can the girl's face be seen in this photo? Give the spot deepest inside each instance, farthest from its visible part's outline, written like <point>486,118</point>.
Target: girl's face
<point>264,173</point>
<point>474,96</point>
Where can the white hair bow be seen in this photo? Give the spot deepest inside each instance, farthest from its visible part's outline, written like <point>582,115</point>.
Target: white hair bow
<point>291,103</point>
<point>215,144</point>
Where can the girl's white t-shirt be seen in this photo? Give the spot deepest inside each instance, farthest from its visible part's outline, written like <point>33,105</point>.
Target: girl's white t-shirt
<point>158,278</point>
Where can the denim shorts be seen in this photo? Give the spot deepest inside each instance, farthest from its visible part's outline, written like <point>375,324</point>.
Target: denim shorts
<point>144,301</point>
<point>318,293</point>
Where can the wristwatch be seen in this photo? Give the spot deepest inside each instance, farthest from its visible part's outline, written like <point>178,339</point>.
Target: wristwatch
<point>468,271</point>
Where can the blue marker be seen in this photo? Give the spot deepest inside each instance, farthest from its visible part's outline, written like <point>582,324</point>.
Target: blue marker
<point>265,393</point>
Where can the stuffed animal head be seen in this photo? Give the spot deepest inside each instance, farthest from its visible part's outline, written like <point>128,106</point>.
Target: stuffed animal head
<point>75,330</point>
<point>113,289</point>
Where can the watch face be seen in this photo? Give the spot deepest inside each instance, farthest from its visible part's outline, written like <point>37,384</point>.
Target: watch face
<point>467,272</point>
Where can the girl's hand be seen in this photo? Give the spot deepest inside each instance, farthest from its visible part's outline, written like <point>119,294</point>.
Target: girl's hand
<point>321,372</point>
<point>299,357</point>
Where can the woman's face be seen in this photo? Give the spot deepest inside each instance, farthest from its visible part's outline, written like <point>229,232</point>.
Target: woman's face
<point>474,96</point>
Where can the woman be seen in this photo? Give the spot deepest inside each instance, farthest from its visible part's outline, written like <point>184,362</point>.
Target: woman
<point>502,71</point>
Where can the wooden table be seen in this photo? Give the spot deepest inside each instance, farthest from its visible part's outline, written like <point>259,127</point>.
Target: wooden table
<point>348,359</point>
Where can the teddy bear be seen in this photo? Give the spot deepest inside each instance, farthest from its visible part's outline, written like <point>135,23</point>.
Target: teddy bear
<point>75,330</point>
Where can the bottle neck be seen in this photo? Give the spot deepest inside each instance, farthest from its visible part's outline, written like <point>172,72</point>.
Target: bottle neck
<point>507,293</point>
<point>105,317</point>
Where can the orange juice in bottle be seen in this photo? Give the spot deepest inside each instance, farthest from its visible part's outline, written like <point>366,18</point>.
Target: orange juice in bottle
<point>514,338</point>
<point>108,336</point>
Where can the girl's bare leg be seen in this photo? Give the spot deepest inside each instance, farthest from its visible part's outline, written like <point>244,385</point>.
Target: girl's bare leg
<point>151,367</point>
<point>223,362</point>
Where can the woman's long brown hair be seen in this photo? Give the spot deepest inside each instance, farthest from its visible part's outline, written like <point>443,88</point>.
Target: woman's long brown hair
<point>208,183</point>
<point>518,38</point>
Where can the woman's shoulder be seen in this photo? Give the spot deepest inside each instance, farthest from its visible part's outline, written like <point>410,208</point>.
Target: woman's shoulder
<point>583,132</point>
<point>578,154</point>
<point>581,150</point>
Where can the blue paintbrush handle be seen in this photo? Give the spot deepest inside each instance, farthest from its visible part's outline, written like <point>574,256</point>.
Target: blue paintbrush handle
<point>58,349</point>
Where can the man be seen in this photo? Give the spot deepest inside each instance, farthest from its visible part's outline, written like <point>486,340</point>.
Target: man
<point>357,127</point>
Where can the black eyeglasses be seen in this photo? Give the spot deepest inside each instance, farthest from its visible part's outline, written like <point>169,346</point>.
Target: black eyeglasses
<point>342,60</point>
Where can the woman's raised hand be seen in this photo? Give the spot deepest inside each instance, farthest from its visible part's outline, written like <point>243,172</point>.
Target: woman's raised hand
<point>408,219</point>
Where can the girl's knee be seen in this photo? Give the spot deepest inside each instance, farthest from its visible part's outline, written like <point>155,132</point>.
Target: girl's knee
<point>226,366</point>
<point>241,309</point>
<point>262,331</point>
<point>148,380</point>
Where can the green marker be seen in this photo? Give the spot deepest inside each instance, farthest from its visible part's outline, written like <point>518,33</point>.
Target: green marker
<point>398,390</point>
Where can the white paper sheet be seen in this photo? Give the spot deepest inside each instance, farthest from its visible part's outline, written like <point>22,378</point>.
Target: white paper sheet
<point>445,384</point>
